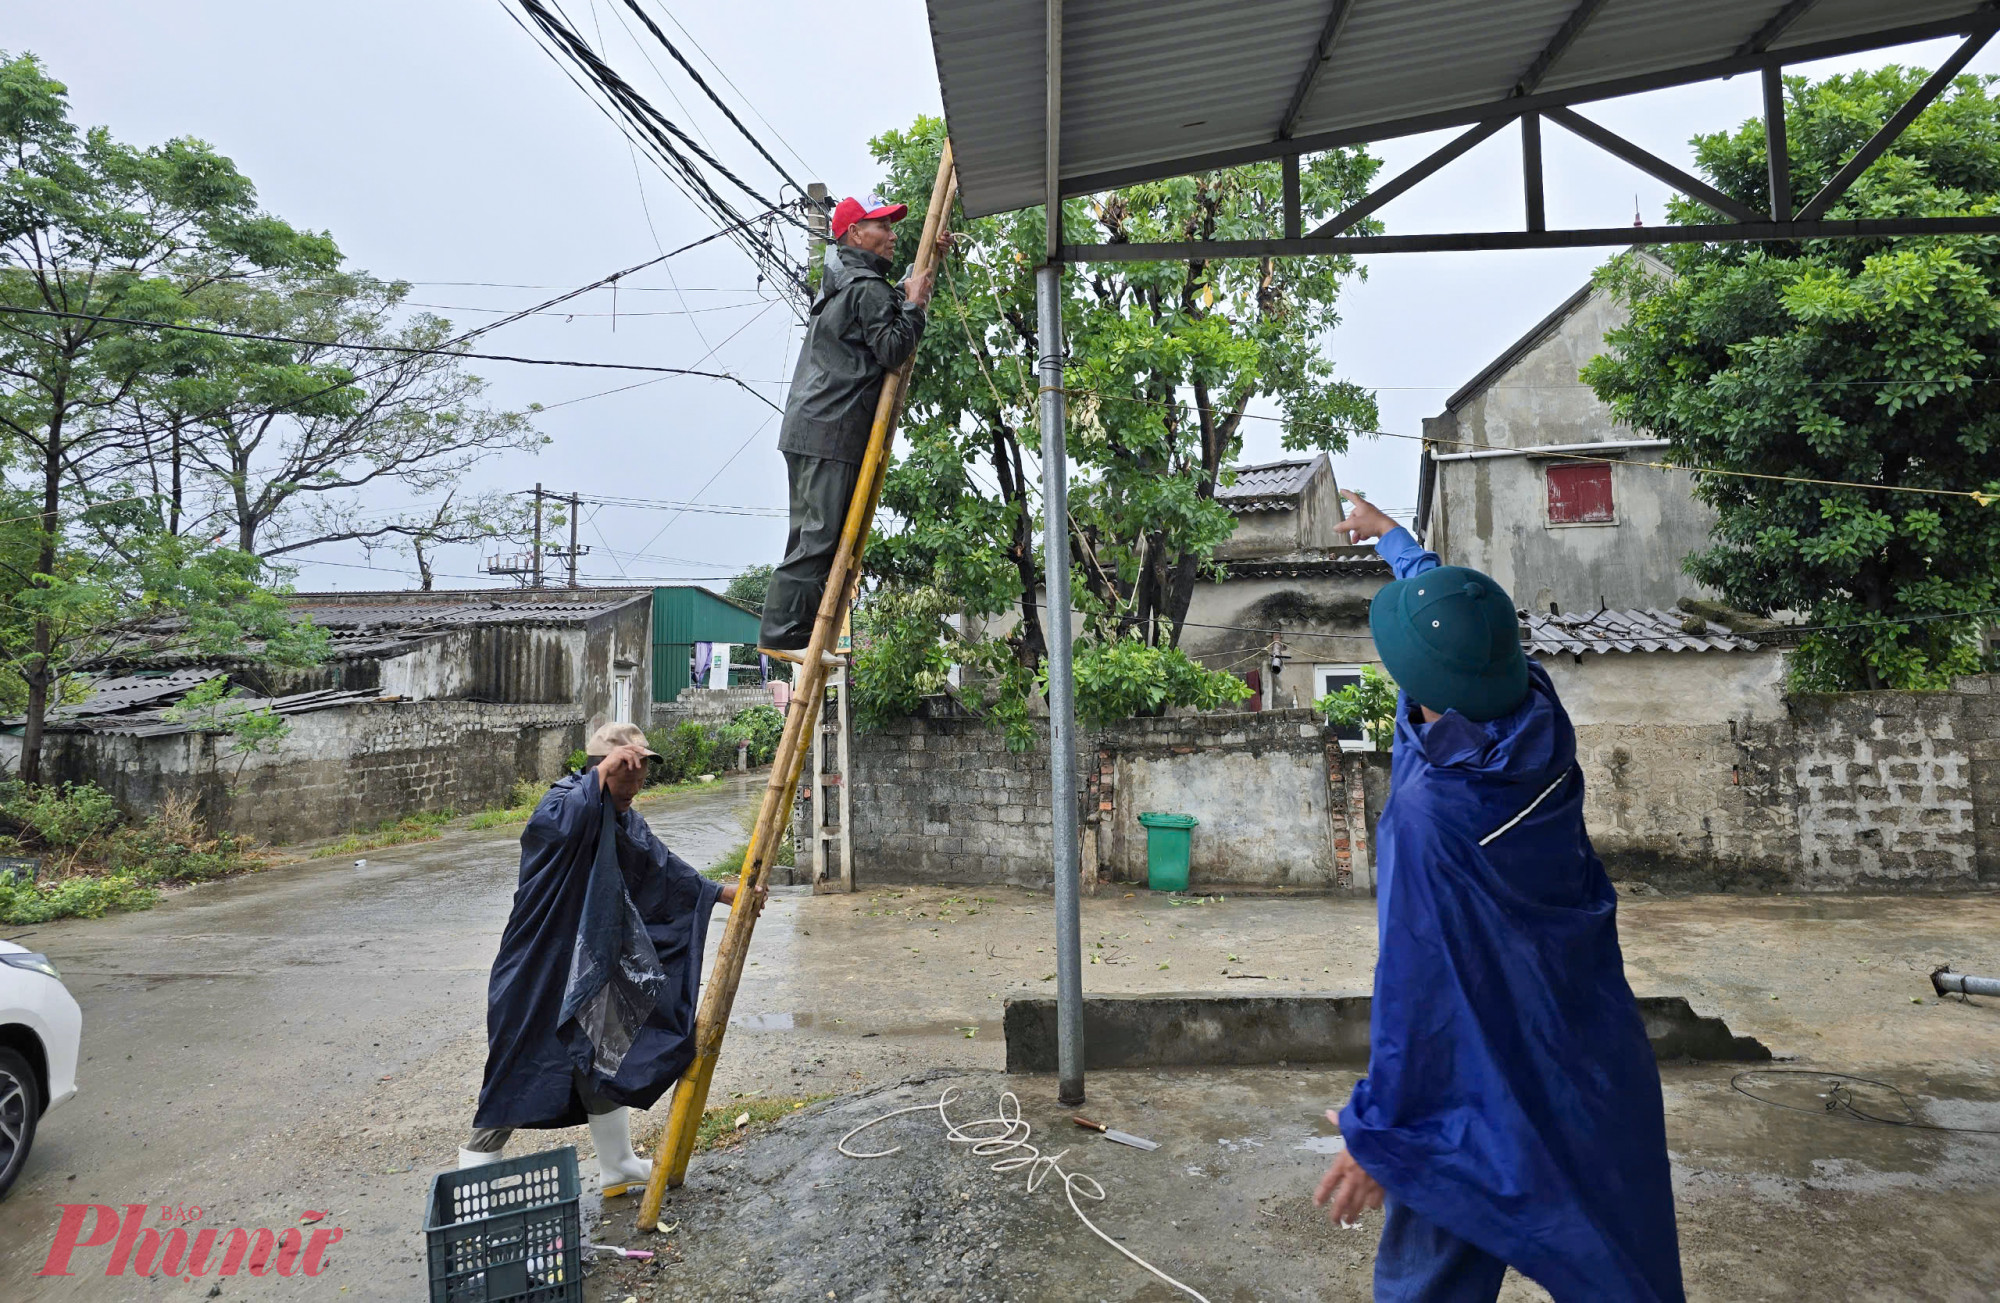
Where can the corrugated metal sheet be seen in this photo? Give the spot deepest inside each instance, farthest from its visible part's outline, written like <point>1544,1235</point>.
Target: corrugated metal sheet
<point>1629,631</point>
<point>1272,486</point>
<point>692,615</point>
<point>1150,82</point>
<point>1344,563</point>
<point>116,711</point>
<point>683,617</point>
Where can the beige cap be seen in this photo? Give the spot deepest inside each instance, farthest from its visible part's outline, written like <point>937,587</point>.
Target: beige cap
<point>612,736</point>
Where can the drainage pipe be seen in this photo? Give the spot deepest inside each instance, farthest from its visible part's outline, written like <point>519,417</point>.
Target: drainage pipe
<point>1945,981</point>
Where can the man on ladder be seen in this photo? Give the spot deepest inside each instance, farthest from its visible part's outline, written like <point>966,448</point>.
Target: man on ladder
<point>862,328</point>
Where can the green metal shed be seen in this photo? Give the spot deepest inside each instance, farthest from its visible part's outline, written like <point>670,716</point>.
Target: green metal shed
<point>684,616</point>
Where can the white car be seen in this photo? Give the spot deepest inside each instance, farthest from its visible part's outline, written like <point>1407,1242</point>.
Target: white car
<point>40,1028</point>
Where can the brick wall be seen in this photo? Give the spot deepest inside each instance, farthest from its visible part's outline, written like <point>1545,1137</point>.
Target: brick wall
<point>1890,786</point>
<point>338,770</point>
<point>943,800</point>
<point>708,705</point>
<point>1872,791</point>
<point>1279,803</point>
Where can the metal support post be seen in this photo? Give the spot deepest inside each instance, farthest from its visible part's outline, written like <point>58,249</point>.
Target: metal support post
<point>1062,694</point>
<point>1531,171</point>
<point>1777,145</point>
<point>1294,219</point>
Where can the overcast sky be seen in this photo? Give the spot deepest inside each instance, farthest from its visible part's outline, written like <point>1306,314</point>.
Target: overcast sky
<point>439,145</point>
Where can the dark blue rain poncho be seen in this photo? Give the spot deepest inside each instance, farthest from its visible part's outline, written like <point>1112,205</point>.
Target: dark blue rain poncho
<point>1512,1098</point>
<point>599,966</point>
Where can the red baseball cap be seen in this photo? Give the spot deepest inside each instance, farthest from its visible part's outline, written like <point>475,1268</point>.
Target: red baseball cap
<point>851,210</point>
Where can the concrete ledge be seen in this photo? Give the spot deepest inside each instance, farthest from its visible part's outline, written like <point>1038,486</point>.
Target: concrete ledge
<point>1192,1029</point>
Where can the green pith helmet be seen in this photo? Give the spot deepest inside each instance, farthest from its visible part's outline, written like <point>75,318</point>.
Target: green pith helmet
<point>1450,638</point>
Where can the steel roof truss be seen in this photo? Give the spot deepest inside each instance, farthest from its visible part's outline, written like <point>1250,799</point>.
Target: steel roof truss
<point>1329,36</point>
<point>1651,164</point>
<point>1898,122</point>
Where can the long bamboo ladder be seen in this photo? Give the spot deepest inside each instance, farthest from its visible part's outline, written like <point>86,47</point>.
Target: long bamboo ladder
<point>670,1160</point>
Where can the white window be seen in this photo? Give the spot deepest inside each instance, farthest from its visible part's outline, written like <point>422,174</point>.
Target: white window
<point>1332,678</point>
<point>621,698</point>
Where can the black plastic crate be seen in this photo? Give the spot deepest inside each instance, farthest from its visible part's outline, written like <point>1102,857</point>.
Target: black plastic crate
<point>508,1232</point>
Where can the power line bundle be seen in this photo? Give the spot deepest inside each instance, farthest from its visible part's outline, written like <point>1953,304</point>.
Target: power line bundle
<point>693,169</point>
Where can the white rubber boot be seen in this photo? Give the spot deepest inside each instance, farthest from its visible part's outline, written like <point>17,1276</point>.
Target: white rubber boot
<point>611,1134</point>
<point>478,1157</point>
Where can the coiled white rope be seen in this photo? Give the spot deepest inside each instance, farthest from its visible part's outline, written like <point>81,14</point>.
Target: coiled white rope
<point>1008,1133</point>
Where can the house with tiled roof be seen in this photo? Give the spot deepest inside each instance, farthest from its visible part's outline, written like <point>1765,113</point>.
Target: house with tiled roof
<point>1288,608</point>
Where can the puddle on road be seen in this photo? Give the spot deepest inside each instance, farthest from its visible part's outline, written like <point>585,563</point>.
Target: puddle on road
<point>772,1022</point>
<point>1321,1144</point>
<point>1713,1128</point>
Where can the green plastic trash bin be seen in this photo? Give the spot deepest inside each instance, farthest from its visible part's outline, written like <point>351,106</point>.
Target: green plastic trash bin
<point>1167,850</point>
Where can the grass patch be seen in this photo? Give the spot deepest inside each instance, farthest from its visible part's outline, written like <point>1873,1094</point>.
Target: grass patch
<point>718,1128</point>
<point>426,826</point>
<point>92,861</point>
<point>499,818</point>
<point>730,866</point>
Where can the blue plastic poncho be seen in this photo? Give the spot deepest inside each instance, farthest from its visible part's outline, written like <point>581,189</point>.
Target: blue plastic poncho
<point>599,965</point>
<point>1512,1097</point>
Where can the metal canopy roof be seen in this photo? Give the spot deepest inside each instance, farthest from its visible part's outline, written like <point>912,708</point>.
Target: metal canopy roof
<point>1160,88</point>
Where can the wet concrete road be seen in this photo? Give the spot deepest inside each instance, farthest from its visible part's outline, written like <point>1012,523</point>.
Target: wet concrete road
<point>260,1047</point>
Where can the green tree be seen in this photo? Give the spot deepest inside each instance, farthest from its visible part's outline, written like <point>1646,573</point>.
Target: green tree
<point>749,589</point>
<point>91,228</point>
<point>1369,705</point>
<point>277,442</point>
<point>1869,361</point>
<point>1165,362</point>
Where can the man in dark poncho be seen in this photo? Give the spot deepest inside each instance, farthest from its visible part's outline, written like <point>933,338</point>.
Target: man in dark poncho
<point>590,1009</point>
<point>862,327</point>
<point>1511,1115</point>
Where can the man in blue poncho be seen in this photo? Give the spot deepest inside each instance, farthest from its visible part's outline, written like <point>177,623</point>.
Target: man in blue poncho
<point>591,1005</point>
<point>1511,1115</point>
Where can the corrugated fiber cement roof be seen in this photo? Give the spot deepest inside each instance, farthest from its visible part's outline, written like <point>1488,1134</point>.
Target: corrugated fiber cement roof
<point>1155,88</point>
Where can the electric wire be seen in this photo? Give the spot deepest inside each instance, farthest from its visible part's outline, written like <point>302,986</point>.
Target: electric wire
<point>1839,1099</point>
<point>709,91</point>
<point>1007,1135</point>
<point>722,73</point>
<point>402,349</point>
<point>678,171</point>
<point>667,141</point>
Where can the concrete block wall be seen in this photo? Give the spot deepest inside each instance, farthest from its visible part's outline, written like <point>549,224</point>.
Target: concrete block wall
<point>1887,795</point>
<point>1271,790</point>
<point>943,800</point>
<point>708,705</point>
<point>338,771</point>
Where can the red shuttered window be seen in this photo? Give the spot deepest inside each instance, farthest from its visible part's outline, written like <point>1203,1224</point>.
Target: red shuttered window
<point>1580,493</point>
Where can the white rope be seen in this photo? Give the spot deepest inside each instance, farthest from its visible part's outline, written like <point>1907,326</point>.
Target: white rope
<point>1007,1133</point>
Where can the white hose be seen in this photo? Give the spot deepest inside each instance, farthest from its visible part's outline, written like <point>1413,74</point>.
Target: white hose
<point>1007,1133</point>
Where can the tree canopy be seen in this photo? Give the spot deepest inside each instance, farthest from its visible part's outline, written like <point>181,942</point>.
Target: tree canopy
<point>146,472</point>
<point>1870,362</point>
<point>1165,362</point>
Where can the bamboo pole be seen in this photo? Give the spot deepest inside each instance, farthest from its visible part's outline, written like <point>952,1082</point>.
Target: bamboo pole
<point>670,1159</point>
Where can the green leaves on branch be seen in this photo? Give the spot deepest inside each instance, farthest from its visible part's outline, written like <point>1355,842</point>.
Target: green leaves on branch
<point>1369,705</point>
<point>1165,362</point>
<point>1124,677</point>
<point>1868,361</point>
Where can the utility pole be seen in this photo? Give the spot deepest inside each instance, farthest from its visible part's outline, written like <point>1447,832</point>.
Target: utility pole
<point>538,536</point>
<point>572,540</point>
<point>817,220</point>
